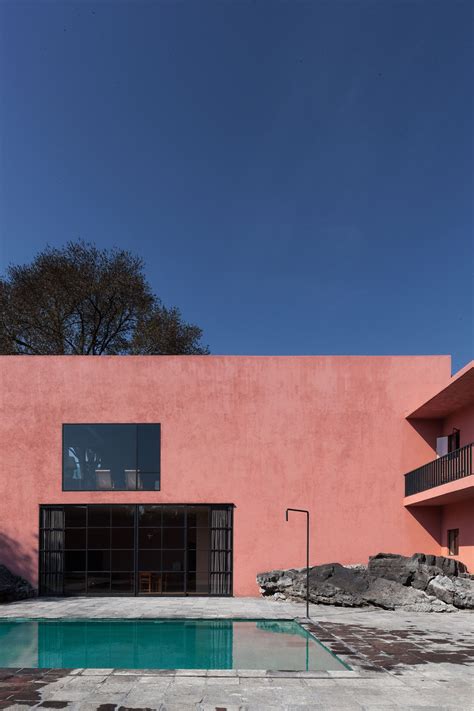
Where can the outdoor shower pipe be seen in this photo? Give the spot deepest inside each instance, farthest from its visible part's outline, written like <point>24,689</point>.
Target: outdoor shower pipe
<point>307,553</point>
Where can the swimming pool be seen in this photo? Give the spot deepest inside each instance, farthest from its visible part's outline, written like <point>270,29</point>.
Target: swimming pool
<point>162,644</point>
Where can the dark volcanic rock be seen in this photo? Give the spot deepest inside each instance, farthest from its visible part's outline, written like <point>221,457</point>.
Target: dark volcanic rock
<point>12,587</point>
<point>337,585</point>
<point>391,567</point>
<point>416,572</point>
<point>422,583</point>
<point>330,584</point>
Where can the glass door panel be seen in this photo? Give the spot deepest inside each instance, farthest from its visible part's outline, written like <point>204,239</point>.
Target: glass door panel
<point>131,549</point>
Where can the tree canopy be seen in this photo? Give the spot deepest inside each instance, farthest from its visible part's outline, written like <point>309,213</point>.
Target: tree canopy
<point>81,300</point>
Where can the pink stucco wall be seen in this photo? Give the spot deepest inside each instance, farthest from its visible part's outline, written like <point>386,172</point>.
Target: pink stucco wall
<point>324,433</point>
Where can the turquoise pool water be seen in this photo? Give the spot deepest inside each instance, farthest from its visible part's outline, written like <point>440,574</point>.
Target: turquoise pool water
<point>162,644</point>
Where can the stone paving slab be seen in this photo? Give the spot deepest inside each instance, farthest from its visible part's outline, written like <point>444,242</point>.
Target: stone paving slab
<point>142,607</point>
<point>263,693</point>
<point>399,660</point>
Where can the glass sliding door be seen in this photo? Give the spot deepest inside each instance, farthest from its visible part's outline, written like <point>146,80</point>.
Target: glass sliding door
<point>51,550</point>
<point>75,550</point>
<point>221,551</point>
<point>127,549</point>
<point>198,543</point>
<point>122,549</point>
<point>150,548</point>
<point>174,550</point>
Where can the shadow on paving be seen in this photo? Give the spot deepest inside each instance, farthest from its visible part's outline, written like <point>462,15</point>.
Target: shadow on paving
<point>391,649</point>
<point>114,707</point>
<point>22,686</point>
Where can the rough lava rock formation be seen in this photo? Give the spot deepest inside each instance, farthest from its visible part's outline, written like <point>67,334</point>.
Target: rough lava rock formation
<point>420,583</point>
<point>12,587</point>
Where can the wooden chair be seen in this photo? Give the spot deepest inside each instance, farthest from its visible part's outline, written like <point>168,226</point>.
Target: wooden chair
<point>149,582</point>
<point>145,583</point>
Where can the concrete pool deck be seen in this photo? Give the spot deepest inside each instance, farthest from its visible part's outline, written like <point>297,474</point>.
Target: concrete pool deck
<point>398,660</point>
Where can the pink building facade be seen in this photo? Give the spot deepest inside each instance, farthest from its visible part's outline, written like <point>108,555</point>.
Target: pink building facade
<point>94,502</point>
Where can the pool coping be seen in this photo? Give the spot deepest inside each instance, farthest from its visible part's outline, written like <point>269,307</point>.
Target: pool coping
<point>358,665</point>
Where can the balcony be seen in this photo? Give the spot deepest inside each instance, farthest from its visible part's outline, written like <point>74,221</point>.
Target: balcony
<point>444,470</point>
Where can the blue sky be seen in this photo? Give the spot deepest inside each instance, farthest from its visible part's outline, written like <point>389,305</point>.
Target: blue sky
<point>298,176</point>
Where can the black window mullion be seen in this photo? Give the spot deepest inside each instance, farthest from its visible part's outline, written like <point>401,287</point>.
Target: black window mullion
<point>231,576</point>
<point>64,551</point>
<point>209,576</point>
<point>161,554</point>
<point>186,550</point>
<point>136,457</point>
<point>110,550</point>
<point>135,553</point>
<point>87,549</point>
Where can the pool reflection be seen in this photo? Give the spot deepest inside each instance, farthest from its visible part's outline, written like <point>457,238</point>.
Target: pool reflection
<point>162,644</point>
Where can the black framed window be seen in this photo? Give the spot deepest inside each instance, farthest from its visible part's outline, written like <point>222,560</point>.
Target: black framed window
<point>141,549</point>
<point>111,457</point>
<point>454,440</point>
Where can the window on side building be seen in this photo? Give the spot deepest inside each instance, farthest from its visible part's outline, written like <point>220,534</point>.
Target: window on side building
<point>454,440</point>
<point>453,541</point>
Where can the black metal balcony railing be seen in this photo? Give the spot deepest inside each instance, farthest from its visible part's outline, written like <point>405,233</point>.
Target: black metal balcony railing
<point>452,466</point>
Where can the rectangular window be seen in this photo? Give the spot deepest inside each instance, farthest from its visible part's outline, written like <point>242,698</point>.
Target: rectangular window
<point>118,457</point>
<point>453,541</point>
<point>454,440</point>
<point>141,549</point>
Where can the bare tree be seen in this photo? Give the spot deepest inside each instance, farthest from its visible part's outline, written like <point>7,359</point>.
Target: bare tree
<point>81,300</point>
